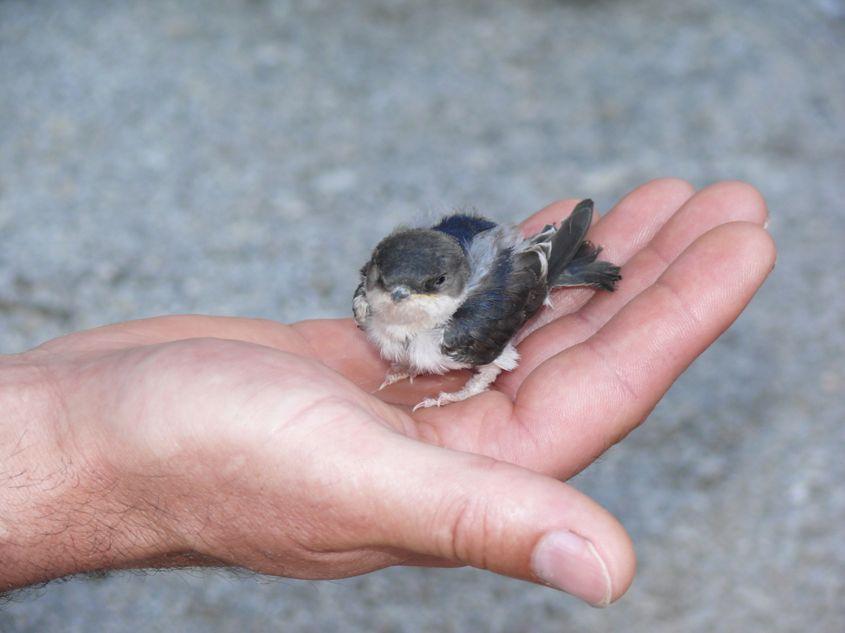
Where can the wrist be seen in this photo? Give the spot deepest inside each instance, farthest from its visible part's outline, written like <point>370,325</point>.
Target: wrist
<point>64,508</point>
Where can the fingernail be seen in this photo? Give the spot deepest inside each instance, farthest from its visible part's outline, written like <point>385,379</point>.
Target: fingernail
<point>570,563</point>
<point>766,224</point>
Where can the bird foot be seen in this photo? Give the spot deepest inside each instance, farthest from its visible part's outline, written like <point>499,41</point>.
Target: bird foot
<point>396,375</point>
<point>479,383</point>
<point>443,398</point>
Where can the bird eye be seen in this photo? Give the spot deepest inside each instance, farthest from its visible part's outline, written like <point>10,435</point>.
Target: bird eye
<point>434,283</point>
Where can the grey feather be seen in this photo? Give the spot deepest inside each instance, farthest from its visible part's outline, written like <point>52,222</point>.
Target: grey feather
<point>573,259</point>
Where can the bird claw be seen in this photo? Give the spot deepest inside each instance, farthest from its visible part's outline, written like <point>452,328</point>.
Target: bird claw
<point>439,401</point>
<point>425,404</point>
<point>479,383</point>
<point>394,377</point>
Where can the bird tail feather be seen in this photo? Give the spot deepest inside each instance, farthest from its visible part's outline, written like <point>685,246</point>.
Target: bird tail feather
<point>573,260</point>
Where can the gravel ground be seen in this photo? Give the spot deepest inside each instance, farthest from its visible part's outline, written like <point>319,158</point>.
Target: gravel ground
<point>192,156</point>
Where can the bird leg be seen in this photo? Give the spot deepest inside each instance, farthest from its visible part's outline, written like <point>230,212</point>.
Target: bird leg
<point>397,373</point>
<point>478,383</point>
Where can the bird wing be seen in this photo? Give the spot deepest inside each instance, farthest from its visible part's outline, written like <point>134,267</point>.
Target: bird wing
<point>573,260</point>
<point>464,227</point>
<point>510,290</point>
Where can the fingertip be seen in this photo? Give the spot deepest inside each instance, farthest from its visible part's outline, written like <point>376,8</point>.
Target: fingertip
<point>672,185</point>
<point>746,240</point>
<point>640,215</point>
<point>662,191</point>
<point>656,196</point>
<point>612,543</point>
<point>744,202</point>
<point>736,188</point>
<point>495,515</point>
<point>769,247</point>
<point>758,238</point>
<point>593,559</point>
<point>617,552</point>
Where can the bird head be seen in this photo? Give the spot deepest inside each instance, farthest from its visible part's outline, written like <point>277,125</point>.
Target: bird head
<point>416,274</point>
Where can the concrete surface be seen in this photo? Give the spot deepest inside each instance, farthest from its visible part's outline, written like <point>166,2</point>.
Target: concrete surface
<point>189,156</point>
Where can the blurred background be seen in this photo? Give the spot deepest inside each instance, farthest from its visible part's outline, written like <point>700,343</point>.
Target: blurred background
<point>193,156</point>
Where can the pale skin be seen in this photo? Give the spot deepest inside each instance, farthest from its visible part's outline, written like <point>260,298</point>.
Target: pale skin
<point>197,440</point>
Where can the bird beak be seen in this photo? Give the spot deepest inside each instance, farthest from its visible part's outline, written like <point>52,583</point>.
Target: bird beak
<point>399,293</point>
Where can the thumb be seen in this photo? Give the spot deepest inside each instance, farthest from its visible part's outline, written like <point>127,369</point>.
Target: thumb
<point>478,511</point>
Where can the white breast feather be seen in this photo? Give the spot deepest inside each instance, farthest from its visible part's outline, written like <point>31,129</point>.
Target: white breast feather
<point>411,332</point>
<point>425,353</point>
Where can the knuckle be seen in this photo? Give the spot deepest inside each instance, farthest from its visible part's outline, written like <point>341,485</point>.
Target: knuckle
<point>466,531</point>
<point>472,527</point>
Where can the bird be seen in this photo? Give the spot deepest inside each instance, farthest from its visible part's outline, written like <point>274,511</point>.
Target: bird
<point>455,295</point>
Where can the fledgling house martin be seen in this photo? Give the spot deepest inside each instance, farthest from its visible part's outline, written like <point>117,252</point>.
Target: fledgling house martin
<point>453,296</point>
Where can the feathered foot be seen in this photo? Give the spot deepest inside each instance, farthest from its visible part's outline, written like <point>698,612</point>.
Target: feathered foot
<point>479,383</point>
<point>395,374</point>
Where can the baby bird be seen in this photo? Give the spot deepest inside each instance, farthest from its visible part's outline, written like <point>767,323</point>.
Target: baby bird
<point>455,295</point>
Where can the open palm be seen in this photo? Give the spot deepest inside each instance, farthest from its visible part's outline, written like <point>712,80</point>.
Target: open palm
<point>592,368</point>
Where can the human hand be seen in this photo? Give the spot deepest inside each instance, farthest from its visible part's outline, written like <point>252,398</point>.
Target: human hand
<point>198,440</point>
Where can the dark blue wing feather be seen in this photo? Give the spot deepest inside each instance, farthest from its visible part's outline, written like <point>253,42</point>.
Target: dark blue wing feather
<point>493,313</point>
<point>463,227</point>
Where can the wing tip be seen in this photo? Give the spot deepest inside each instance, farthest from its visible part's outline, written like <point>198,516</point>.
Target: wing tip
<point>583,212</point>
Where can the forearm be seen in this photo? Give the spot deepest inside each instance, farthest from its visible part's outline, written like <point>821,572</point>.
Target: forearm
<point>63,510</point>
